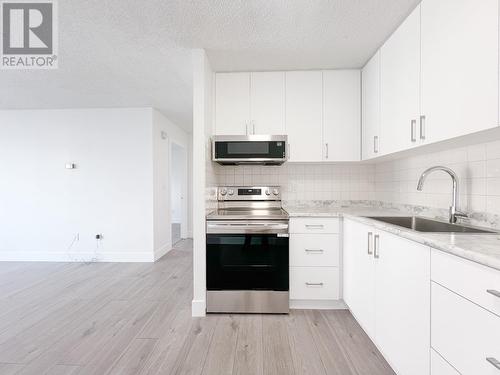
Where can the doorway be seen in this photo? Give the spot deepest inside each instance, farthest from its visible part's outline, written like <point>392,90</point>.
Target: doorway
<point>178,191</point>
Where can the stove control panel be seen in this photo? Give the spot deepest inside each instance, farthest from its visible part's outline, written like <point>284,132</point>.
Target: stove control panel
<point>244,193</point>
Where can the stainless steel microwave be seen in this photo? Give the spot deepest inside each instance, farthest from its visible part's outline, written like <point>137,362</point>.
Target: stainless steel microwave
<point>249,149</point>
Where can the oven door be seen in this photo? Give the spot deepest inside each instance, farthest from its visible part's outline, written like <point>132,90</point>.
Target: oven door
<point>247,261</point>
<point>249,149</point>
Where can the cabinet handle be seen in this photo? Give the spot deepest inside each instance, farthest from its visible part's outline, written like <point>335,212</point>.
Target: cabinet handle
<point>314,251</point>
<point>246,128</point>
<point>315,226</point>
<point>375,144</point>
<point>422,127</point>
<point>496,293</point>
<point>253,127</point>
<point>314,284</point>
<point>326,150</point>
<point>376,240</point>
<point>369,247</point>
<point>494,362</point>
<point>413,130</point>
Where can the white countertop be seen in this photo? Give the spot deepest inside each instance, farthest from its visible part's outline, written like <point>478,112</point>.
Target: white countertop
<point>479,248</point>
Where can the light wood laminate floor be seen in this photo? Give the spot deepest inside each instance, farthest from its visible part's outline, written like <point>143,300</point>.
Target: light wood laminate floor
<point>135,318</point>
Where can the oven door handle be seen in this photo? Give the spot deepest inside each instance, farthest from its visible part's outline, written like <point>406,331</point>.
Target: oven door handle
<point>235,228</point>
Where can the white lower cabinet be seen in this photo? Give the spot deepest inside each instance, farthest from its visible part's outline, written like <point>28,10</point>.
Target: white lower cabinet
<point>314,283</point>
<point>465,334</point>
<point>314,262</point>
<point>439,366</point>
<point>465,320</point>
<point>387,288</point>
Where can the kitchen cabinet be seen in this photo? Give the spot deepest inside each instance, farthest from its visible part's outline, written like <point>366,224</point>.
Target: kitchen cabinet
<point>439,366</point>
<point>370,92</point>
<point>250,103</point>
<point>465,334</point>
<point>402,302</point>
<point>314,262</point>
<point>459,57</point>
<point>304,123</point>
<point>267,103</point>
<point>465,346</point>
<point>359,274</point>
<point>232,103</point>
<point>342,115</point>
<point>387,288</point>
<point>400,86</point>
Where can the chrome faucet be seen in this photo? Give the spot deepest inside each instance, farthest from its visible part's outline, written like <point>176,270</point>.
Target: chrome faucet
<point>454,212</point>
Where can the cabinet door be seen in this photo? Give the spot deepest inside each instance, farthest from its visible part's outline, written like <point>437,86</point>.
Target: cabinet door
<point>359,292</point>
<point>400,86</point>
<point>304,125</point>
<point>341,115</point>
<point>370,77</point>
<point>459,67</point>
<point>402,303</point>
<point>232,103</point>
<point>267,103</point>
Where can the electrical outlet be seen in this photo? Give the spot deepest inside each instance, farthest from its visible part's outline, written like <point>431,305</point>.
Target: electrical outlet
<point>98,236</point>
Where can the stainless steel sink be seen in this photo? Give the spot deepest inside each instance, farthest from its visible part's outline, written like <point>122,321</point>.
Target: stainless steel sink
<point>421,224</point>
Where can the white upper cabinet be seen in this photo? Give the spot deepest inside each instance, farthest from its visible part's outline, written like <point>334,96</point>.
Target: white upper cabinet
<point>400,86</point>
<point>232,103</point>
<point>267,102</point>
<point>459,93</point>
<point>304,112</point>
<point>342,115</point>
<point>370,92</point>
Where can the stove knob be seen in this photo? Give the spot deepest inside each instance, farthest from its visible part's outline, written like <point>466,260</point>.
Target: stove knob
<point>268,192</point>
<point>223,191</point>
<point>230,191</point>
<point>276,191</point>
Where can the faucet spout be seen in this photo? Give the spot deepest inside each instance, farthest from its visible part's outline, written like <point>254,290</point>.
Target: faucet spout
<point>454,212</point>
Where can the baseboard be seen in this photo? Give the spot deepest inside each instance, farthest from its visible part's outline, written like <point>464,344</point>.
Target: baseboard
<point>318,304</point>
<point>162,251</point>
<point>84,257</point>
<point>198,308</point>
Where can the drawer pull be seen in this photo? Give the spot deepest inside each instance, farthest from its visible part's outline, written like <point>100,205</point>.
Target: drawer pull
<point>376,240</point>
<point>314,251</point>
<point>314,284</point>
<point>369,246</point>
<point>315,226</point>
<point>494,362</point>
<point>496,293</point>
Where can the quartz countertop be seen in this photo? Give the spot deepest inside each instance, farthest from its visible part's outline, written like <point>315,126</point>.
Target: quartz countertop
<point>480,248</point>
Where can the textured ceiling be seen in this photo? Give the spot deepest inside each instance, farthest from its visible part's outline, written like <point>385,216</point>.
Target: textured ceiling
<point>137,53</point>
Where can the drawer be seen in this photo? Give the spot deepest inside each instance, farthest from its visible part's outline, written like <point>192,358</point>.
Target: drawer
<point>439,366</point>
<point>314,225</point>
<point>464,333</point>
<point>314,283</point>
<point>469,279</point>
<point>314,250</point>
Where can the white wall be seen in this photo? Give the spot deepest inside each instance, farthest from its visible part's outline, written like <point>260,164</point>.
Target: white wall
<point>164,133</point>
<point>48,212</point>
<point>203,175</point>
<point>176,182</point>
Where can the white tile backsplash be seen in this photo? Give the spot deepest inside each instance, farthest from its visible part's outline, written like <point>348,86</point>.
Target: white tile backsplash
<point>305,181</point>
<point>392,182</point>
<point>477,166</point>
